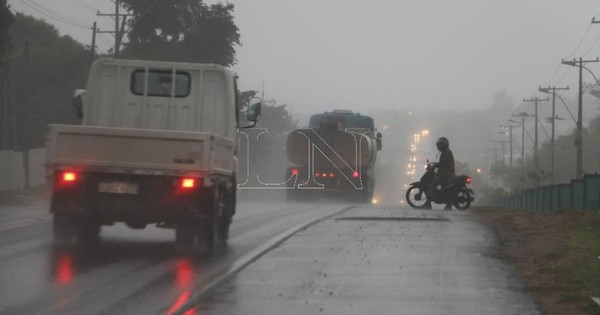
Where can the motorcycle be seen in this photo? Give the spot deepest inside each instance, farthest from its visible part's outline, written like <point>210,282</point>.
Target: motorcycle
<point>457,191</point>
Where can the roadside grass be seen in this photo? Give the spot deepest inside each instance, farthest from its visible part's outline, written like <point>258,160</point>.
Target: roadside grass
<point>583,274</point>
<point>558,251</point>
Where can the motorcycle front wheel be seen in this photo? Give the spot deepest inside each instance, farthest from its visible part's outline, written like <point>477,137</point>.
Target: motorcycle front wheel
<point>462,200</point>
<point>416,197</point>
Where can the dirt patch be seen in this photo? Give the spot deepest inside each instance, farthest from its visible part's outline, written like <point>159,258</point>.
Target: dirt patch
<point>556,253</point>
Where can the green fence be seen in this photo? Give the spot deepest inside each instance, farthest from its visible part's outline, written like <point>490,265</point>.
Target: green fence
<point>592,192</point>
<point>580,194</point>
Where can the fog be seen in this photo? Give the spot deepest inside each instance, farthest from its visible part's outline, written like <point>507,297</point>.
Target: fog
<point>459,69</point>
<point>389,54</point>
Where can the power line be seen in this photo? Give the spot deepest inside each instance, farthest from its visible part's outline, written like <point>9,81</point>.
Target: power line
<point>50,16</point>
<point>567,107</point>
<point>573,53</point>
<point>536,101</point>
<point>83,5</point>
<point>579,135</point>
<point>47,12</point>
<point>593,45</point>
<point>119,26</point>
<point>564,76</point>
<point>580,42</point>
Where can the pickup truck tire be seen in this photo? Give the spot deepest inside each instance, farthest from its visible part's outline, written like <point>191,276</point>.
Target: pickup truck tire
<point>63,228</point>
<point>226,217</point>
<point>185,233</point>
<point>88,230</point>
<point>209,233</point>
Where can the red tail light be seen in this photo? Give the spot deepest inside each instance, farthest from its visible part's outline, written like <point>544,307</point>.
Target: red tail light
<point>188,183</point>
<point>469,180</point>
<point>317,174</point>
<point>331,174</point>
<point>69,177</point>
<point>295,171</point>
<point>355,174</point>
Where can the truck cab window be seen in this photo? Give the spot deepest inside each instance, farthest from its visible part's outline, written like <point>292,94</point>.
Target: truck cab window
<point>160,83</point>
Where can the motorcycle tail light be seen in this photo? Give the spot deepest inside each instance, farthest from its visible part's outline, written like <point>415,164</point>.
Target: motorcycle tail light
<point>295,171</point>
<point>355,174</point>
<point>469,180</point>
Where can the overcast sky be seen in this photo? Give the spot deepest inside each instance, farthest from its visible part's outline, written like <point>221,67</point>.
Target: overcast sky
<point>323,54</point>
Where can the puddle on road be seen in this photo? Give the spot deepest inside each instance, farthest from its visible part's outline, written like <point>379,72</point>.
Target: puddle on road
<point>439,219</point>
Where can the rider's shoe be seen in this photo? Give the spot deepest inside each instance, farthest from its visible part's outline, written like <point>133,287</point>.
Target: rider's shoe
<point>426,206</point>
<point>448,207</point>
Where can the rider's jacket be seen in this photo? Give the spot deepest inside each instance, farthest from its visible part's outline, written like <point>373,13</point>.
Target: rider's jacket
<point>446,163</point>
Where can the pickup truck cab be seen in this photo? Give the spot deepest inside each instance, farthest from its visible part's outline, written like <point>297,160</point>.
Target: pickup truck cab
<point>157,145</point>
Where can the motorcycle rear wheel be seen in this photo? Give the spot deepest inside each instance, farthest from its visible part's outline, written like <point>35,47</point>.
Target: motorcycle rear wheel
<point>462,200</point>
<point>416,197</point>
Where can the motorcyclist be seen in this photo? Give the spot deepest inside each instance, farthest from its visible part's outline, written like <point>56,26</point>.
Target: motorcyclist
<point>445,170</point>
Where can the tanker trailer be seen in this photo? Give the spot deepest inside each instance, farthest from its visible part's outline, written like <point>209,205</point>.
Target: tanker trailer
<point>333,157</point>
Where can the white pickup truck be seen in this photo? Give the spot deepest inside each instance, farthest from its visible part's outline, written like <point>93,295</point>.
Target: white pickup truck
<point>157,145</point>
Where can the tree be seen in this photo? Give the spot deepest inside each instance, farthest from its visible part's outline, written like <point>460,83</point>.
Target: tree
<point>276,118</point>
<point>45,68</point>
<point>182,30</point>
<point>6,20</point>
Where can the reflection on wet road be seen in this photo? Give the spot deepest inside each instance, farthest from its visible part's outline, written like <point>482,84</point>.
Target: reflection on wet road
<point>131,271</point>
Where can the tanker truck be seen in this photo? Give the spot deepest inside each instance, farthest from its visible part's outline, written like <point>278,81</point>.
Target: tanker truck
<point>333,157</point>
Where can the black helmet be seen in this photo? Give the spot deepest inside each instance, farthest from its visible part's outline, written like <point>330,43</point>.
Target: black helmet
<point>442,143</point>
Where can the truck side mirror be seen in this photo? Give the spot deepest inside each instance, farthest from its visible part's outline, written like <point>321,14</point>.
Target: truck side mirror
<point>378,141</point>
<point>253,113</point>
<point>77,102</point>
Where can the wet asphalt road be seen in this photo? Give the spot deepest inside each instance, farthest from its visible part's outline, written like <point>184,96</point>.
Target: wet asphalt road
<point>377,260</point>
<point>131,272</point>
<point>369,259</point>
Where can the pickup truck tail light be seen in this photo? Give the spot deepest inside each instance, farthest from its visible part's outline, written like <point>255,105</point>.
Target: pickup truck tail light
<point>69,177</point>
<point>189,183</point>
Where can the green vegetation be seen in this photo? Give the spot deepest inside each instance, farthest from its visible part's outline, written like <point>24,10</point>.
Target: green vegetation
<point>40,69</point>
<point>6,20</point>
<point>181,30</point>
<point>583,275</point>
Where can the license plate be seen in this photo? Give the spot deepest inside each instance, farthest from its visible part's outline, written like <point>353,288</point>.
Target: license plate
<point>118,188</point>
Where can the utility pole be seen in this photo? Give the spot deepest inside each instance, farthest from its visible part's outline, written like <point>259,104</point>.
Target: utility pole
<point>535,145</point>
<point>503,141</point>
<point>510,137</point>
<point>523,115</point>
<point>579,136</point>
<point>552,119</point>
<point>24,135</point>
<point>93,48</point>
<point>119,26</point>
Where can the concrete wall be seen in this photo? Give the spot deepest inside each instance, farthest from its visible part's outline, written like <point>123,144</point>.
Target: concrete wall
<point>12,169</point>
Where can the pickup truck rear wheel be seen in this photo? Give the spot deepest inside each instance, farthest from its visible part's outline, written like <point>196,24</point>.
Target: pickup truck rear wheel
<point>208,232</point>
<point>228,208</point>
<point>89,230</point>
<point>64,229</point>
<point>185,233</point>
